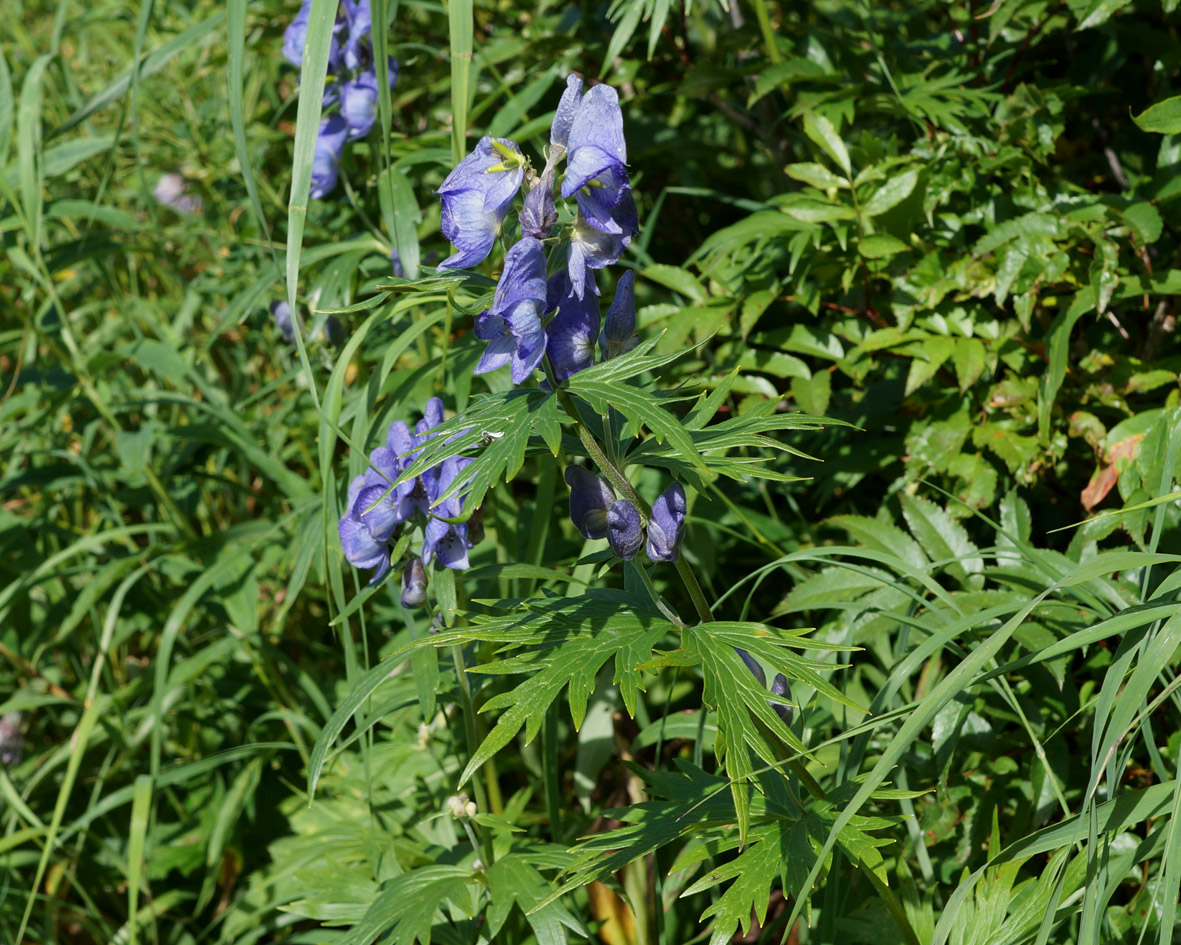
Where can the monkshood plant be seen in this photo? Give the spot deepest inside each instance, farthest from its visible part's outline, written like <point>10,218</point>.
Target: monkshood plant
<point>351,90</point>
<point>584,395</point>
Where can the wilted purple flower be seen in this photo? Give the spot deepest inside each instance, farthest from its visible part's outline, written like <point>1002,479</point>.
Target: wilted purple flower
<point>476,197</point>
<point>619,332</point>
<point>590,498</point>
<point>513,325</point>
<point>170,191</point>
<point>361,548</point>
<point>413,583</point>
<point>559,134</point>
<point>447,541</point>
<point>625,532</point>
<point>538,217</point>
<point>12,743</point>
<point>358,104</point>
<point>779,687</point>
<point>281,312</point>
<point>666,528</point>
<point>753,665</point>
<point>396,263</point>
<point>570,335</point>
<point>330,141</point>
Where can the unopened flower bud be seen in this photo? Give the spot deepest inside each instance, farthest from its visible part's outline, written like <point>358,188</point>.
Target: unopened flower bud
<point>779,687</point>
<point>619,331</point>
<point>753,665</point>
<point>456,806</point>
<point>590,498</point>
<point>624,529</point>
<point>666,529</point>
<point>414,583</point>
<point>538,217</point>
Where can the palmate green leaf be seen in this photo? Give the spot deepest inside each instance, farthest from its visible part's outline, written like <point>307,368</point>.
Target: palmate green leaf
<point>745,716</point>
<point>642,409</point>
<point>404,910</point>
<point>688,799</point>
<point>574,638</point>
<point>494,431</point>
<point>513,879</point>
<point>752,872</point>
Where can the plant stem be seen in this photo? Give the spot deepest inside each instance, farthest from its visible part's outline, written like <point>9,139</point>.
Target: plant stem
<point>619,481</point>
<point>704,613</point>
<point>473,740</point>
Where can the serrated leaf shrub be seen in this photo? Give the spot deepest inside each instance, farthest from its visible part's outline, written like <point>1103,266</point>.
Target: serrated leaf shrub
<point>624,673</point>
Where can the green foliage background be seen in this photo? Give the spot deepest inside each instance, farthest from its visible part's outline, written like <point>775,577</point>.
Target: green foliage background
<point>953,227</point>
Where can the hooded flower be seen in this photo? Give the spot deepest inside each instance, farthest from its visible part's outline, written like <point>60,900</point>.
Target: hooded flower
<point>448,541</point>
<point>619,332</point>
<point>281,312</point>
<point>296,35</point>
<point>591,249</point>
<point>590,498</point>
<point>476,197</point>
<point>326,160</point>
<point>512,327</point>
<point>624,529</point>
<point>559,134</point>
<point>358,104</point>
<point>570,335</point>
<point>596,164</point>
<point>666,528</point>
<point>361,549</point>
<point>359,21</point>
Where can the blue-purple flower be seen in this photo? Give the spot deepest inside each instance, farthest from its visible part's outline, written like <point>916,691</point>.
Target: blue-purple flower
<point>591,249</point>
<point>361,548</point>
<point>619,331</point>
<point>570,335</point>
<point>512,327</point>
<point>539,215</point>
<point>330,141</point>
<point>447,540</point>
<point>590,499</point>
<point>596,164</point>
<point>281,312</point>
<point>753,665</point>
<point>295,36</point>
<point>624,530</point>
<point>376,506</point>
<point>358,104</point>
<point>666,528</point>
<point>559,133</point>
<point>413,583</point>
<point>476,198</point>
<point>779,687</point>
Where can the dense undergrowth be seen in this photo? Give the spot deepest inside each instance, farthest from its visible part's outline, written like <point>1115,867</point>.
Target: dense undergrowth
<point>906,282</point>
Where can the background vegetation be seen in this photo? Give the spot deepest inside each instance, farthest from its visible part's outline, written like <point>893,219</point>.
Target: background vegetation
<point>954,227</point>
